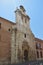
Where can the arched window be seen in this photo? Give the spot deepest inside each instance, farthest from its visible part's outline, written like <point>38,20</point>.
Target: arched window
<point>41,54</point>
<point>37,54</point>
<point>0,25</point>
<point>25,35</point>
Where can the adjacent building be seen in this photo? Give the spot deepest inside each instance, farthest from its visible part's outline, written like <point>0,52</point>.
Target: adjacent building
<point>39,49</point>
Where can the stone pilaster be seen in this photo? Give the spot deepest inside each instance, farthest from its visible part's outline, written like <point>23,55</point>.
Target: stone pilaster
<point>13,47</point>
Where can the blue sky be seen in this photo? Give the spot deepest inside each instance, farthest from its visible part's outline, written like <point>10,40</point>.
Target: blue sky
<point>34,8</point>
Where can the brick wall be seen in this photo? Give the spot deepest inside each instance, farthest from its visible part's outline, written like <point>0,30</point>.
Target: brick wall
<point>40,48</point>
<point>5,39</point>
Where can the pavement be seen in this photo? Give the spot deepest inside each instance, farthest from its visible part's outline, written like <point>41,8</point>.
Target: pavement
<point>36,62</point>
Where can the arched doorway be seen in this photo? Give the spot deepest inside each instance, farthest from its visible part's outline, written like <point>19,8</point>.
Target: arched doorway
<point>25,55</point>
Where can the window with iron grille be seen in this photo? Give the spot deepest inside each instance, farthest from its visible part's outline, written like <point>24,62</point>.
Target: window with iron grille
<point>37,54</point>
<point>41,54</point>
<point>0,25</point>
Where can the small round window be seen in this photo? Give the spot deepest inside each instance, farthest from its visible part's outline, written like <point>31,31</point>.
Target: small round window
<point>8,29</point>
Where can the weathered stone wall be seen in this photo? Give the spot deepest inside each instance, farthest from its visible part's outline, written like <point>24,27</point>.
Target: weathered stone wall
<point>22,29</point>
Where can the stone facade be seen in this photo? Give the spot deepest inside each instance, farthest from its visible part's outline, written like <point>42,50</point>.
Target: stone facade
<point>17,42</point>
<point>22,38</point>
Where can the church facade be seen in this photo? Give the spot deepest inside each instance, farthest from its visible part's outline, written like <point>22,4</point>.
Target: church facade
<point>17,42</point>
<point>22,37</point>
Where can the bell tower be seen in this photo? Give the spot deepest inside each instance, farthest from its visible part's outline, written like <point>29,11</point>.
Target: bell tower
<point>22,19</point>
